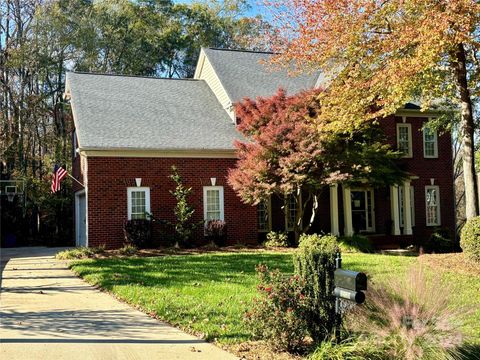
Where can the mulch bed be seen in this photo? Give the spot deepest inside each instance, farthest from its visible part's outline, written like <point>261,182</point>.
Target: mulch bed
<point>456,262</point>
<point>258,350</point>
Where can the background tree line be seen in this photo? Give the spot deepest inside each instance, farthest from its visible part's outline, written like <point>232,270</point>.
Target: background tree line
<point>40,40</point>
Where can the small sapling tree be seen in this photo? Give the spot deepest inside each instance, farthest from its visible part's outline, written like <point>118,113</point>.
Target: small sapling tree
<point>184,227</point>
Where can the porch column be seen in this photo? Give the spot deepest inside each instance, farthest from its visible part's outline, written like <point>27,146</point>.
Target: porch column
<point>394,209</point>
<point>347,210</point>
<point>334,210</point>
<point>407,209</point>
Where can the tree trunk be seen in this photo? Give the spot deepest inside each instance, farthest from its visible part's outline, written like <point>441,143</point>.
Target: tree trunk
<point>467,134</point>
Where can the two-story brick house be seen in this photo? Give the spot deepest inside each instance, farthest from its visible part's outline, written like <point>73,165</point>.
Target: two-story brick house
<point>131,130</point>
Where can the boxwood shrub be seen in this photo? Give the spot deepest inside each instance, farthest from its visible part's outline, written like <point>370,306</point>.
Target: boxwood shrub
<point>470,239</point>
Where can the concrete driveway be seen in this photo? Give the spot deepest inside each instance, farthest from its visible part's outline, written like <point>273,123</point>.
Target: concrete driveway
<point>48,313</point>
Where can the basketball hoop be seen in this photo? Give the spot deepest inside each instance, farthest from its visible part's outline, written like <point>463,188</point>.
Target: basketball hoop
<point>10,196</point>
<point>12,188</point>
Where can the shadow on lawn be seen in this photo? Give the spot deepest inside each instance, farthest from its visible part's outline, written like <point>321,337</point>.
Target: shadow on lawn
<point>174,271</point>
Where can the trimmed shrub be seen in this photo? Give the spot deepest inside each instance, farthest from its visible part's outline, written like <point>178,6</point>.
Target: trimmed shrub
<point>137,232</point>
<point>314,264</point>
<point>355,244</point>
<point>128,250</point>
<point>441,241</point>
<point>278,314</point>
<point>470,239</point>
<point>276,239</point>
<point>216,230</point>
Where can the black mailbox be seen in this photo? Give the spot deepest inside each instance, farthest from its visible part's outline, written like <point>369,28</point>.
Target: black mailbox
<point>350,280</point>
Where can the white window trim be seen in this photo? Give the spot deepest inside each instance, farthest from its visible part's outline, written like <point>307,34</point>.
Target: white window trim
<point>436,187</point>
<point>269,222</point>
<point>129,199</point>
<point>435,145</point>
<point>222,213</point>
<point>409,127</point>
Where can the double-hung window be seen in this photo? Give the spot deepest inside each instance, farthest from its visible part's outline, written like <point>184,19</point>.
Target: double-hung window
<point>430,143</point>
<point>404,139</point>
<point>264,219</point>
<point>432,205</point>
<point>213,203</point>
<point>138,202</point>
<point>293,203</point>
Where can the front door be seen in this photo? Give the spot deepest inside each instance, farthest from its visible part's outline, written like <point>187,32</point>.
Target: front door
<point>362,210</point>
<point>81,220</point>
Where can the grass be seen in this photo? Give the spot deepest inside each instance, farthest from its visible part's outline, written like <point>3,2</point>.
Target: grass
<point>207,294</point>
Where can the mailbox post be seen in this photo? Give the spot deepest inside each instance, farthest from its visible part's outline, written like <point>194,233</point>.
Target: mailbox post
<point>349,285</point>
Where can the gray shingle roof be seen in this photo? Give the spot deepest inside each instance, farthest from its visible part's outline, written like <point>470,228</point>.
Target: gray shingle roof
<point>244,74</point>
<point>122,112</point>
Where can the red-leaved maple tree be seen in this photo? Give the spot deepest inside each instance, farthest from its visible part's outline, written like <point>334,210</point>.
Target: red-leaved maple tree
<point>287,154</point>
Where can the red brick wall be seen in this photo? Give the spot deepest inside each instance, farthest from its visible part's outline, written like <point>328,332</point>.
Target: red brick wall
<point>440,169</point>
<point>108,179</point>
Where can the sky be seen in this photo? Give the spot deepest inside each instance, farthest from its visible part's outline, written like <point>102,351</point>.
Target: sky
<point>257,7</point>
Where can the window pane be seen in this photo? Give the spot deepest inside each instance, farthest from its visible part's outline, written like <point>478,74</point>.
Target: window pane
<point>262,214</point>
<point>292,211</point>
<point>212,204</point>
<point>433,208</point>
<point>138,204</point>
<point>403,139</point>
<point>429,142</point>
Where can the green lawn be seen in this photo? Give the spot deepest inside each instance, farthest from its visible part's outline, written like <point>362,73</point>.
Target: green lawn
<point>208,293</point>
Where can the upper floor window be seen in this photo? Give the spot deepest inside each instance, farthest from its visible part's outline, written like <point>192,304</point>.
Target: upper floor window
<point>404,139</point>
<point>432,205</point>
<point>430,143</point>
<point>264,209</point>
<point>213,203</point>
<point>138,202</point>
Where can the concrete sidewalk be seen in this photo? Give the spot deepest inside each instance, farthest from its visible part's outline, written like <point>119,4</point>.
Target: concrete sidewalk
<point>48,313</point>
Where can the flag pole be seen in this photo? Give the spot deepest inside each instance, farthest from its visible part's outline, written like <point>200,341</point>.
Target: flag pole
<point>78,182</point>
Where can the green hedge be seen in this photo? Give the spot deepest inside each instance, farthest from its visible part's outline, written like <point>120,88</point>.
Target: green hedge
<point>314,264</point>
<point>470,239</point>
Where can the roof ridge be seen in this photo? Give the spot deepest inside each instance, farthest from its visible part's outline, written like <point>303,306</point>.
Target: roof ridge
<point>132,76</point>
<point>242,50</point>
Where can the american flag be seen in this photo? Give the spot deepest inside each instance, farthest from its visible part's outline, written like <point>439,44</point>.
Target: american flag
<point>58,174</point>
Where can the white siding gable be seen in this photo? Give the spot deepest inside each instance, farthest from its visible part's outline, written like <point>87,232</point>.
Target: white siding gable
<point>206,72</point>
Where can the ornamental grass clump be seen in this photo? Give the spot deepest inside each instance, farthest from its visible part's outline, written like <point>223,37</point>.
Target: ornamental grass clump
<point>80,253</point>
<point>410,319</point>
